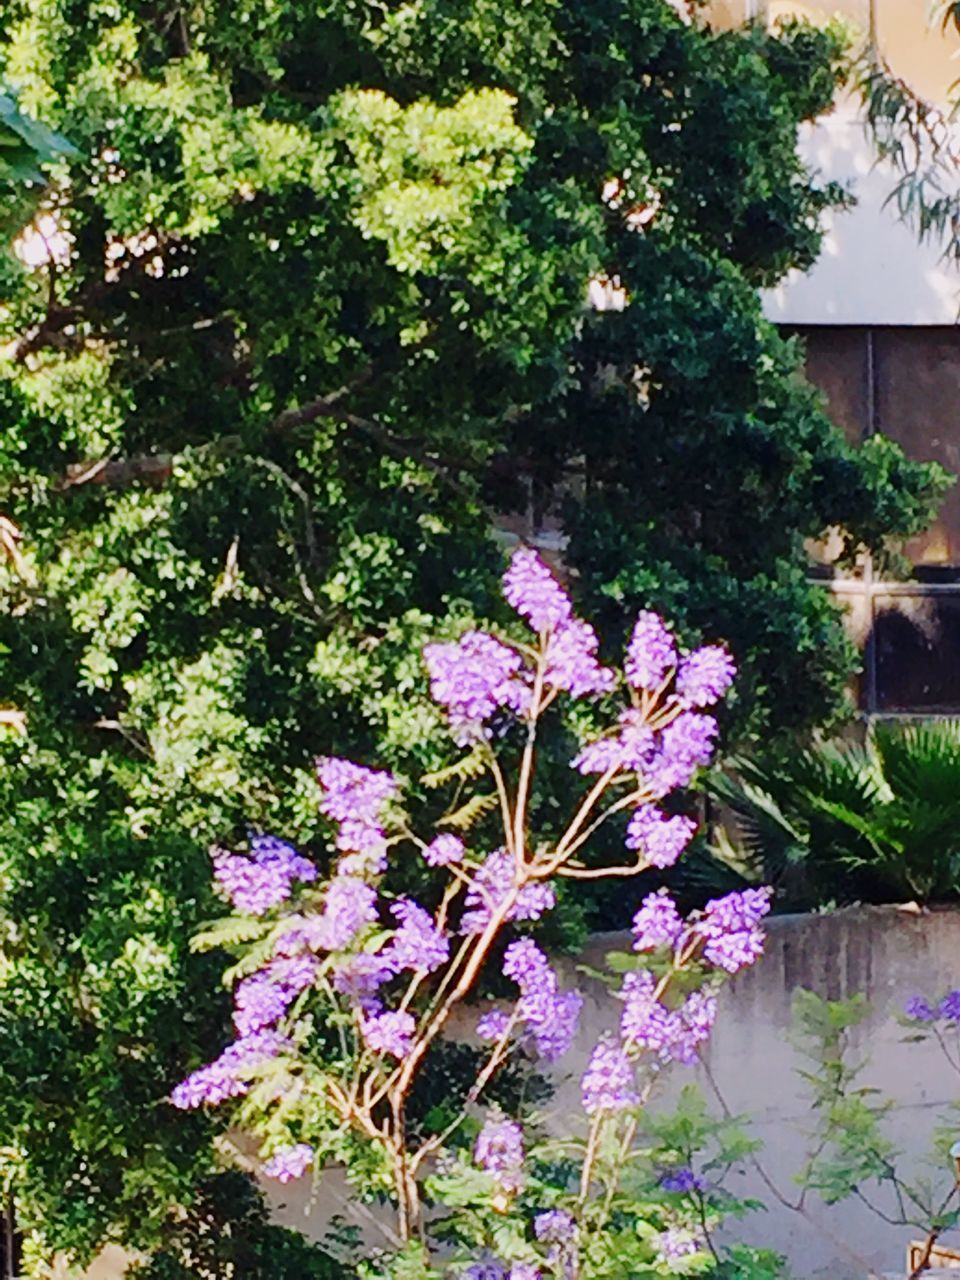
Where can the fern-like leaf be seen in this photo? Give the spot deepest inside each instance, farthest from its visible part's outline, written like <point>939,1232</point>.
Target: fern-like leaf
<point>228,933</point>
<point>466,769</point>
<point>468,814</point>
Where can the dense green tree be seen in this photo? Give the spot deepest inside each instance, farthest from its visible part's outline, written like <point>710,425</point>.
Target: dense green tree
<point>308,308</point>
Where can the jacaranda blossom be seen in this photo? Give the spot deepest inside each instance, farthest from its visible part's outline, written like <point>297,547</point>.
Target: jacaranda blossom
<point>535,593</point>
<point>491,886</point>
<point>704,676</point>
<point>608,1082</point>
<point>499,1150</point>
<point>660,839</point>
<point>658,923</point>
<point>255,884</point>
<point>651,653</point>
<point>289,1163</point>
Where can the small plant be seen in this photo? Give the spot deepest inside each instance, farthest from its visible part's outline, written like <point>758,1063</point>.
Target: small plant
<point>344,991</point>
<point>852,1157</point>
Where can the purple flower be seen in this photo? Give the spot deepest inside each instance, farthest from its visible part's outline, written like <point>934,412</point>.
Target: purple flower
<point>685,744</point>
<point>349,905</point>
<point>657,923</point>
<point>229,1075</point>
<point>488,1269</point>
<point>527,966</point>
<point>549,1016</point>
<point>651,653</point>
<point>673,1035</point>
<point>473,679</point>
<point>662,839</point>
<point>630,749</point>
<point>571,662</point>
<point>499,1150</point>
<point>259,1003</point>
<point>525,1271</point>
<point>444,851</point>
<point>918,1009</point>
<point>289,1163</point>
<point>676,1245</point>
<point>550,1020</point>
<point>608,1083</point>
<point>361,976</point>
<point>555,1226</point>
<point>491,885</point>
<point>950,1006</point>
<point>704,676</point>
<point>730,927</point>
<point>682,1180</point>
<point>389,1033</point>
<point>264,880</point>
<point>418,944</point>
<point>535,593</point>
<point>263,999</point>
<point>492,1025</point>
<point>355,797</point>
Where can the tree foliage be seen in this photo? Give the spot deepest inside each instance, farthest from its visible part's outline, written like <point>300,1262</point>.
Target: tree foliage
<point>309,309</point>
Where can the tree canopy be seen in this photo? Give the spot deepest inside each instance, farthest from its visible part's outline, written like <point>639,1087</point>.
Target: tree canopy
<point>327,290</point>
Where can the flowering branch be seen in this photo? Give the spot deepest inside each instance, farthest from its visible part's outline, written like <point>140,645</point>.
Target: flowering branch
<point>385,973</point>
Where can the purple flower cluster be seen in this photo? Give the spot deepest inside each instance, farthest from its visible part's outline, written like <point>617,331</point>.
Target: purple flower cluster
<point>571,661</point>
<point>660,838</point>
<point>555,1226</point>
<point>445,850</point>
<point>667,759</point>
<point>492,1269</point>
<point>658,923</point>
<point>418,945</point>
<point>917,1009</point>
<point>630,749</point>
<point>289,1163</point>
<point>229,1076</point>
<point>264,880</point>
<point>685,745</point>
<point>486,1269</point>
<point>355,798</point>
<point>473,679</point>
<point>348,906</point>
<point>549,1015</point>
<point>359,977</point>
<point>491,886</point>
<point>673,1035</point>
<point>731,929</point>
<point>676,1246</point>
<point>492,1025</point>
<point>608,1083</point>
<point>535,593</point>
<point>499,1150</point>
<point>263,999</point>
<point>389,1032</point>
<point>682,1180</point>
<point>651,653</point>
<point>705,676</point>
